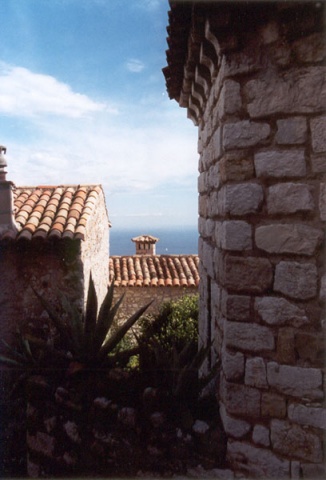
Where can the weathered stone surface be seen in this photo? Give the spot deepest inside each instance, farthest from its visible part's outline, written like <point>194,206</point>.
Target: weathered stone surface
<point>313,471</point>
<point>291,131</point>
<point>296,91</point>
<point>248,337</point>
<point>41,443</point>
<point>318,163</point>
<point>207,256</point>
<point>213,176</point>
<point>255,374</point>
<point>310,346</point>
<point>260,435</point>
<point>285,346</point>
<point>296,280</point>
<point>240,399</point>
<point>295,381</point>
<point>318,136</point>
<point>280,164</point>
<point>322,292</point>
<point>322,201</point>
<point>269,33</point>
<point>234,427</point>
<point>294,441</point>
<point>273,405</point>
<point>235,235</point>
<point>233,365</point>
<point>235,307</point>
<point>216,145</point>
<point>241,199</point>
<point>244,134</point>
<point>237,165</point>
<point>203,205</point>
<point>312,416</point>
<point>248,274</point>
<point>278,311</point>
<point>202,182</point>
<point>230,99</point>
<point>310,49</point>
<point>256,462</point>
<point>285,198</point>
<point>288,238</point>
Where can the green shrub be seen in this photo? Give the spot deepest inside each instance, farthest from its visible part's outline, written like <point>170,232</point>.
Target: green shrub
<point>176,324</point>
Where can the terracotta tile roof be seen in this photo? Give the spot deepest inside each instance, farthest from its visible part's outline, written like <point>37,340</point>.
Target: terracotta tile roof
<point>154,270</point>
<point>47,212</point>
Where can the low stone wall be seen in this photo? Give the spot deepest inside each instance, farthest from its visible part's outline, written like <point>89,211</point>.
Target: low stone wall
<point>137,297</point>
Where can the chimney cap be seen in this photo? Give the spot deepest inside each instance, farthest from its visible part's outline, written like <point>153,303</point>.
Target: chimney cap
<point>3,163</point>
<point>145,239</point>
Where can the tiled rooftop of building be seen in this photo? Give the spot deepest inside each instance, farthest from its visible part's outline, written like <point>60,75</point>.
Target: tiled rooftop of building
<point>154,270</point>
<point>52,211</point>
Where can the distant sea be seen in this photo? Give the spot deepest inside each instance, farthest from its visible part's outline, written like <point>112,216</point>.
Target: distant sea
<point>172,241</point>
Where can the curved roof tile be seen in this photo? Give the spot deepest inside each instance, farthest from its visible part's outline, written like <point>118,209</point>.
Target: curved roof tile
<point>154,270</point>
<point>53,212</point>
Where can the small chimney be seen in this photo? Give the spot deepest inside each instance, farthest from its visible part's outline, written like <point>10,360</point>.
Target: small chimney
<point>7,219</point>
<point>145,244</point>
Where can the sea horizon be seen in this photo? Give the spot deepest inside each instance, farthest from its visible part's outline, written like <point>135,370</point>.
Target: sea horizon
<point>172,240</point>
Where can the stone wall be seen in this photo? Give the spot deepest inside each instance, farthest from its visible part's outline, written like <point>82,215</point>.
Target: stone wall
<point>137,297</point>
<point>94,251</point>
<point>258,96</point>
<point>45,267</point>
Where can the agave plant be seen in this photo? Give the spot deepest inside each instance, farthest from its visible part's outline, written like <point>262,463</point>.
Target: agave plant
<point>88,339</point>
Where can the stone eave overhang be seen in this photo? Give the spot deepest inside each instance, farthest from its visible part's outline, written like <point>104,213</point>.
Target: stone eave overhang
<point>199,32</point>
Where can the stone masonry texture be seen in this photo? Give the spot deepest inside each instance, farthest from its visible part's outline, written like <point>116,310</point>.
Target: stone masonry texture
<point>262,208</point>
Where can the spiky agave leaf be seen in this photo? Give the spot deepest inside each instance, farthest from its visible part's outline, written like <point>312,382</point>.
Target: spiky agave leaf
<point>75,320</point>
<point>106,317</point>
<point>117,336</point>
<point>90,316</point>
<point>60,325</point>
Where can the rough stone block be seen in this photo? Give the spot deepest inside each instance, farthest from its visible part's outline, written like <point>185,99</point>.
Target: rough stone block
<point>240,399</point>
<point>322,202</point>
<point>256,462</point>
<point>202,182</point>
<point>296,280</point>
<point>250,274</point>
<point>203,205</point>
<point>244,134</point>
<point>233,365</point>
<point>310,347</point>
<point>230,99</point>
<point>260,435</point>
<point>41,443</point>
<point>285,352</point>
<point>233,427</point>
<point>288,238</point>
<point>207,257</point>
<point>297,91</point>
<point>280,164</point>
<point>248,337</point>
<point>241,199</point>
<point>315,471</point>
<point>255,375</point>
<point>235,307</point>
<point>216,144</point>
<point>214,206</point>
<point>287,198</point>
<point>273,405</point>
<point>291,131</point>
<point>318,136</point>
<point>269,33</point>
<point>295,381</point>
<point>278,311</point>
<point>213,177</point>
<point>235,235</point>
<point>318,163</point>
<point>306,415</point>
<point>236,166</point>
<point>310,49</point>
<point>294,441</point>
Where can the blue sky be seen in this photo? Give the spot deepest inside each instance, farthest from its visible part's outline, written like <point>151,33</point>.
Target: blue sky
<point>83,100</point>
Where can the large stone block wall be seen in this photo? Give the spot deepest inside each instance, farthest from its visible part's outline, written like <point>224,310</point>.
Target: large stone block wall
<point>262,207</point>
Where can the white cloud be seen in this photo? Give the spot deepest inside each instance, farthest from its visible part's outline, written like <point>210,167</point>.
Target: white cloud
<point>135,66</point>
<point>27,94</point>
